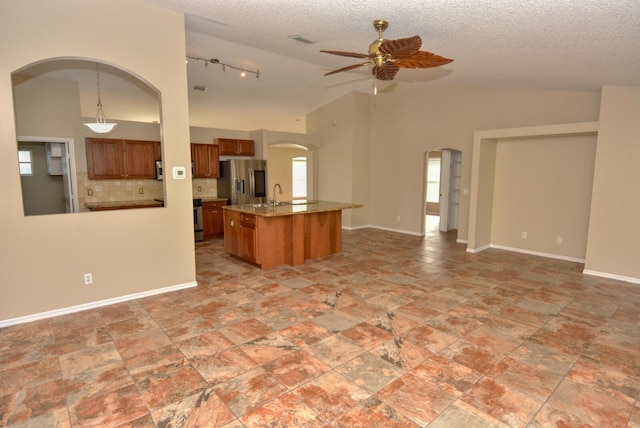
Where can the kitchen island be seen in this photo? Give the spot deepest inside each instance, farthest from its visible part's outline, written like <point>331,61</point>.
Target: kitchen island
<point>289,233</point>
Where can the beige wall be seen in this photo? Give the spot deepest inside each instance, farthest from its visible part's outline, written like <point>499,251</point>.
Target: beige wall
<point>412,120</point>
<point>403,124</point>
<point>343,127</point>
<point>614,227</point>
<point>133,251</point>
<point>543,187</point>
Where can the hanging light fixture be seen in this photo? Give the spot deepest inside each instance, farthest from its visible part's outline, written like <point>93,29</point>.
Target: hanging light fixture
<point>100,126</point>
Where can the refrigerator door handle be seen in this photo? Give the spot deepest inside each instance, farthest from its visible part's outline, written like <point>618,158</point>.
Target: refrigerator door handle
<point>252,186</point>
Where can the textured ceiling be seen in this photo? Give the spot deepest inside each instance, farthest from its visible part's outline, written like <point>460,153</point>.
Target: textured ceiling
<point>549,44</point>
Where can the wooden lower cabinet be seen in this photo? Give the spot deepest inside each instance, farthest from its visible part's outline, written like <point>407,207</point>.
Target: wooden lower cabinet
<point>269,241</point>
<point>213,220</point>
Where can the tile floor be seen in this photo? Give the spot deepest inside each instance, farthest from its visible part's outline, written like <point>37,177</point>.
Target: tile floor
<point>397,331</point>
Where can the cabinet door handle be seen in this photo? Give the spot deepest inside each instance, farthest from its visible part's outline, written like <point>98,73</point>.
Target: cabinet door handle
<point>232,225</point>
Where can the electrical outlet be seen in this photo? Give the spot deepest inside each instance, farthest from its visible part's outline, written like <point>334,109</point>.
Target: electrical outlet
<point>88,278</point>
<point>398,219</point>
<point>199,188</point>
<point>524,235</point>
<point>559,240</point>
<point>141,190</point>
<point>89,192</point>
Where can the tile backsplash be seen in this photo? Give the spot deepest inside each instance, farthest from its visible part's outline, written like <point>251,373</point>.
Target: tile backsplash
<point>129,190</point>
<point>205,187</point>
<point>93,191</point>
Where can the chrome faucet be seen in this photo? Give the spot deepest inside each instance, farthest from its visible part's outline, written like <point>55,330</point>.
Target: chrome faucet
<point>274,201</point>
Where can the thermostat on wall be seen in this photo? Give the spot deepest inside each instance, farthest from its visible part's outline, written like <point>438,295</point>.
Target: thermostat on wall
<point>179,173</point>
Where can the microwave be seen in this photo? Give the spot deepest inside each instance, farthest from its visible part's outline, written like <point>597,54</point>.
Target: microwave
<point>159,170</point>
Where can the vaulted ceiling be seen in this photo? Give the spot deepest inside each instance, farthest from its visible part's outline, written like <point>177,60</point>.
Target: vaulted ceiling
<point>575,45</point>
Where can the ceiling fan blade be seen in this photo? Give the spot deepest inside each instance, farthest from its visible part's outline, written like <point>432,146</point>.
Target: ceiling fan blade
<point>385,72</point>
<point>347,68</point>
<point>423,59</point>
<point>401,48</point>
<point>349,54</point>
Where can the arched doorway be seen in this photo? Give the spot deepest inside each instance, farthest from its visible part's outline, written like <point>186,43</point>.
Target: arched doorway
<point>286,160</point>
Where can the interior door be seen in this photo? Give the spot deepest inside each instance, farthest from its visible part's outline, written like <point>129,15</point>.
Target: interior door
<point>451,173</point>
<point>445,178</point>
<point>67,184</point>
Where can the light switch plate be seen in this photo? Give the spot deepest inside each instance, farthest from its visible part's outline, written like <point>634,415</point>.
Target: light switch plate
<point>179,173</point>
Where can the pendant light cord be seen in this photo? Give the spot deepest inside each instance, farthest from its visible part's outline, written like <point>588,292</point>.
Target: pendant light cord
<point>100,118</point>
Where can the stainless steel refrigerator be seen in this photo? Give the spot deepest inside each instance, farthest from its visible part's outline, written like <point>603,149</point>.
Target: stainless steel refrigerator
<point>243,181</point>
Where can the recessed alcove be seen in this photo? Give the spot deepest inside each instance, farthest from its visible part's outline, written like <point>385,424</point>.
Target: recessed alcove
<point>548,219</point>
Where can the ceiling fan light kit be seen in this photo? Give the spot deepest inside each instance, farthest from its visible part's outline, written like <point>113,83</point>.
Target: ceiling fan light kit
<point>389,56</point>
<point>100,126</point>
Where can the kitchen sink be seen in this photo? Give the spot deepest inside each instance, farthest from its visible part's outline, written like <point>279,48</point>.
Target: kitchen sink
<point>283,203</point>
<point>298,202</point>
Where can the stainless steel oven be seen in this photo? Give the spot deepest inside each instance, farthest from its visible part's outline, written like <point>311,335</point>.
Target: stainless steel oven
<point>198,223</point>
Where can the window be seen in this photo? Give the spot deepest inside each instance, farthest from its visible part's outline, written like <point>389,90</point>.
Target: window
<point>299,176</point>
<point>433,180</point>
<point>25,162</point>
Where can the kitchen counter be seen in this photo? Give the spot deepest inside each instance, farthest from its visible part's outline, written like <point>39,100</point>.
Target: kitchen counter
<point>123,205</point>
<point>291,208</point>
<point>288,233</point>
<point>212,199</point>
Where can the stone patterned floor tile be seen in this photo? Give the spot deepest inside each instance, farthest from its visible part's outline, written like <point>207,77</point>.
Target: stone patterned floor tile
<point>396,331</point>
<point>288,410</point>
<point>502,402</point>
<point>248,391</point>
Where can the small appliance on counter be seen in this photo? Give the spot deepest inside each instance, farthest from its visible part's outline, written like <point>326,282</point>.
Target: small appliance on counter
<point>159,170</point>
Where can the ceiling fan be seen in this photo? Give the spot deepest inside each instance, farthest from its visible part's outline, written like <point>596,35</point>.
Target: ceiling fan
<point>389,56</point>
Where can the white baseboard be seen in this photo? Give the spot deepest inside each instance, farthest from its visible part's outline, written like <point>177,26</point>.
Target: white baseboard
<point>406,232</point>
<point>93,305</point>
<point>537,253</point>
<point>477,250</point>
<point>612,276</point>
<point>462,241</point>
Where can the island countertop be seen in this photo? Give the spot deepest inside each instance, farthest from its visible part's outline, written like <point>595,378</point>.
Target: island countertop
<point>291,208</point>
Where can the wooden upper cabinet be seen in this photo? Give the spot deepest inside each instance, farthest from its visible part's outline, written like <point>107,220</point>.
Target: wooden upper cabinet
<point>206,160</point>
<point>120,159</point>
<point>139,159</point>
<point>158,150</point>
<point>104,158</point>
<point>233,147</point>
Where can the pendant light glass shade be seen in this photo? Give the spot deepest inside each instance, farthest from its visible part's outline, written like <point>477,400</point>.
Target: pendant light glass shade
<point>100,126</point>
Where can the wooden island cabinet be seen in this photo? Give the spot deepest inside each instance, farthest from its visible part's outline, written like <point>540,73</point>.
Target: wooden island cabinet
<point>285,234</point>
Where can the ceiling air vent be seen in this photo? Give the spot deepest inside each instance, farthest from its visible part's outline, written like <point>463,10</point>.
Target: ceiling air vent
<point>302,39</point>
<point>200,88</point>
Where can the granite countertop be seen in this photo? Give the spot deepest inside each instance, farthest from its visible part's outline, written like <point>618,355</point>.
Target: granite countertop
<point>212,199</point>
<point>291,208</point>
<point>120,205</point>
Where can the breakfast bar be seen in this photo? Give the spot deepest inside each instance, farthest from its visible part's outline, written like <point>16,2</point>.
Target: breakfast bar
<point>289,233</point>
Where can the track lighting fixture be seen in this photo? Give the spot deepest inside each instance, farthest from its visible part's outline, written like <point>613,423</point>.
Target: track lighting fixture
<point>243,71</point>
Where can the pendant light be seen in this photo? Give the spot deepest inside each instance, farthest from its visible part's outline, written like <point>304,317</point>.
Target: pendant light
<point>100,126</point>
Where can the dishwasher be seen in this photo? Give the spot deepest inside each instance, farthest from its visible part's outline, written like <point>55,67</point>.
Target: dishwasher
<point>198,220</point>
